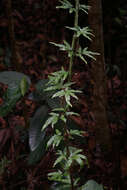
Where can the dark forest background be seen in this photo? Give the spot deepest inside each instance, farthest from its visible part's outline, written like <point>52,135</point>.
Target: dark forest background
<point>26,28</point>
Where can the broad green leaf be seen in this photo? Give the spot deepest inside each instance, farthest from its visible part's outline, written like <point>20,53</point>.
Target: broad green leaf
<point>11,96</point>
<point>91,185</point>
<point>36,136</point>
<point>13,93</point>
<point>9,77</point>
<point>39,152</point>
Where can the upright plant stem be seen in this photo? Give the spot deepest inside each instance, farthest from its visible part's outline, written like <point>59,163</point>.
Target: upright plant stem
<point>73,45</point>
<point>68,154</point>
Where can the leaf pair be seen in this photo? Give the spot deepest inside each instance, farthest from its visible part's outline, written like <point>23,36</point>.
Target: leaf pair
<point>75,156</point>
<point>65,4</point>
<point>79,52</point>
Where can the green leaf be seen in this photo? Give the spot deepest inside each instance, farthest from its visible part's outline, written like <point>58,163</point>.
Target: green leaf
<point>56,139</point>
<point>57,79</point>
<point>66,5</point>
<point>85,52</point>
<point>73,126</point>
<point>85,31</point>
<point>76,132</point>
<point>64,47</point>
<point>84,8</point>
<point>59,109</point>
<point>38,139</point>
<point>9,77</point>
<point>59,176</point>
<point>59,94</point>
<point>75,156</point>
<point>67,98</point>
<point>58,160</point>
<point>39,152</point>
<point>52,120</point>
<point>61,46</point>
<point>91,185</point>
<point>23,86</point>
<point>72,113</point>
<point>55,175</point>
<point>36,136</point>
<point>13,93</point>
<point>63,118</point>
<point>88,53</point>
<point>11,96</point>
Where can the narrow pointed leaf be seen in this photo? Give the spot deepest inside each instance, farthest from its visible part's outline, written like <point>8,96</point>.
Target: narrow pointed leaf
<point>23,86</point>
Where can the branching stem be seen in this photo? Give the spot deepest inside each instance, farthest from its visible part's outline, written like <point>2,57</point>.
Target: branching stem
<point>73,46</point>
<point>74,39</point>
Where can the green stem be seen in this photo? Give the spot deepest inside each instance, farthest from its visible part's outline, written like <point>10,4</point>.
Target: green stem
<point>68,154</point>
<point>73,45</point>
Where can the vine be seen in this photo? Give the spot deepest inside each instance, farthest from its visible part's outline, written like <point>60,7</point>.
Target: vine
<point>60,83</point>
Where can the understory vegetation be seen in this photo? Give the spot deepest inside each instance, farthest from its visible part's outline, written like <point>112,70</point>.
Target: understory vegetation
<point>63,95</point>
